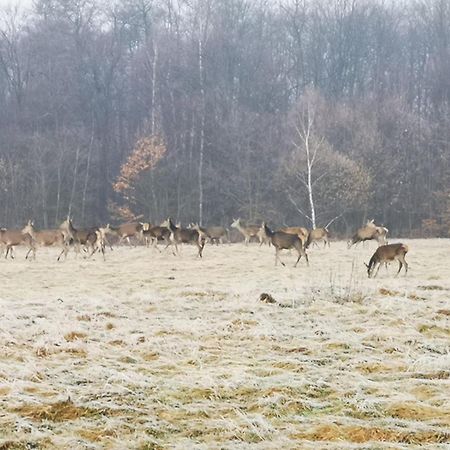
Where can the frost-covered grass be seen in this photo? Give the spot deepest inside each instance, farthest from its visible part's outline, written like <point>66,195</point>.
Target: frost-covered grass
<point>148,350</point>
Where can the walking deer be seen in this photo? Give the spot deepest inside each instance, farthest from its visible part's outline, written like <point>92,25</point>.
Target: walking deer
<point>248,231</point>
<point>316,235</point>
<point>285,241</point>
<point>124,231</point>
<point>369,232</point>
<point>385,254</point>
<point>12,238</point>
<point>48,238</point>
<point>213,234</point>
<point>89,238</point>
<point>156,234</point>
<point>184,236</point>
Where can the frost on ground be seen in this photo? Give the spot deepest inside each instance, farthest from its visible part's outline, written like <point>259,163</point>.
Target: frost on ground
<point>149,350</point>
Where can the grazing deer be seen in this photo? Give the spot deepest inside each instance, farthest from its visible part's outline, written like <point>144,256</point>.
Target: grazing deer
<point>385,254</point>
<point>369,232</point>
<point>184,236</point>
<point>301,232</point>
<point>11,238</point>
<point>48,238</point>
<point>248,232</point>
<point>285,241</point>
<point>316,235</point>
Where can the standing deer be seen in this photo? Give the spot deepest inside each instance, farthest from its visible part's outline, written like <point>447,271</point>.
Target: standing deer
<point>184,236</point>
<point>48,238</point>
<point>11,238</point>
<point>316,235</point>
<point>285,241</point>
<point>369,232</point>
<point>301,232</point>
<point>262,236</point>
<point>248,231</point>
<point>385,254</point>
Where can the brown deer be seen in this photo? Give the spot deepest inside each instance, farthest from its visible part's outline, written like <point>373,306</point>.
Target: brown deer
<point>88,238</point>
<point>301,232</point>
<point>213,234</point>
<point>11,238</point>
<point>248,231</point>
<point>184,236</point>
<point>124,231</point>
<point>369,232</point>
<point>48,238</point>
<point>385,254</point>
<point>317,235</point>
<point>285,241</point>
<point>155,234</point>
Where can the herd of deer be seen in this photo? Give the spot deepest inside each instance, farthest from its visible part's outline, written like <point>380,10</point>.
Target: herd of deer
<point>96,239</point>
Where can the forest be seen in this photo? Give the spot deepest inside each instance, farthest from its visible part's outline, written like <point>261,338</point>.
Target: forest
<point>296,112</point>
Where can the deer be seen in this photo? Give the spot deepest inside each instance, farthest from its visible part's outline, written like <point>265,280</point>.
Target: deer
<point>248,231</point>
<point>263,237</point>
<point>285,241</point>
<point>184,236</point>
<point>385,254</point>
<point>11,238</point>
<point>369,232</point>
<point>89,238</point>
<point>123,231</point>
<point>155,234</point>
<point>48,238</point>
<point>317,234</point>
<point>301,232</point>
<point>213,234</point>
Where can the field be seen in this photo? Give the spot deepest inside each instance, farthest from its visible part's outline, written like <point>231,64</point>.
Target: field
<point>149,350</point>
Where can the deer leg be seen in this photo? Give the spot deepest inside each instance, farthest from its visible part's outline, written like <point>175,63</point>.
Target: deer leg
<point>29,251</point>
<point>64,252</point>
<point>298,259</point>
<point>378,269</point>
<point>400,265</point>
<point>200,249</point>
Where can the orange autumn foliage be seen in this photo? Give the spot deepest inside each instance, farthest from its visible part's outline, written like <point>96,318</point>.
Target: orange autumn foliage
<point>148,151</point>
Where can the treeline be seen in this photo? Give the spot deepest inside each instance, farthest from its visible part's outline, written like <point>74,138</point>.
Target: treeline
<point>265,109</point>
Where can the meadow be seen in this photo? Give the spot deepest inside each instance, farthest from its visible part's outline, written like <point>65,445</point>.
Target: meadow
<point>147,350</point>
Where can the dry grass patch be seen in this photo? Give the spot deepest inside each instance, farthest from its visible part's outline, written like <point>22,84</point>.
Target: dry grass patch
<point>74,335</point>
<point>97,434</point>
<point>417,411</point>
<point>150,356</point>
<point>434,330</point>
<point>56,412</point>
<point>359,434</point>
